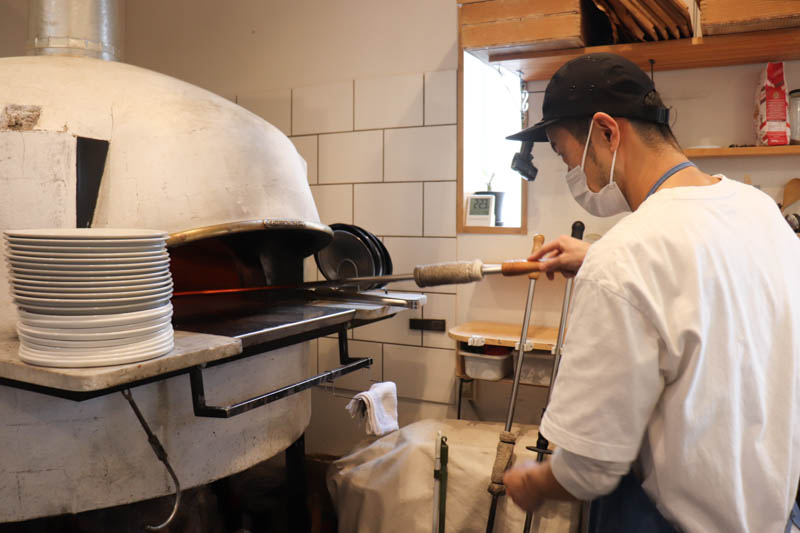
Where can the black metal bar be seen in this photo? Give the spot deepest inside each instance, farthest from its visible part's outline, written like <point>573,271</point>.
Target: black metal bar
<point>201,409</point>
<point>492,512</point>
<point>344,353</point>
<point>296,485</point>
<point>458,404</point>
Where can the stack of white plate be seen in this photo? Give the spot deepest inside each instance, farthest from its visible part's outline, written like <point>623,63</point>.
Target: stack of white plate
<point>90,297</point>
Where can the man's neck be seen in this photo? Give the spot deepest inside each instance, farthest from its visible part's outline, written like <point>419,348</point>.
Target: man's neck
<point>643,171</point>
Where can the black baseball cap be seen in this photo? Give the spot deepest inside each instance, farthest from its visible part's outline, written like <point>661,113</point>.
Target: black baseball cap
<point>591,83</point>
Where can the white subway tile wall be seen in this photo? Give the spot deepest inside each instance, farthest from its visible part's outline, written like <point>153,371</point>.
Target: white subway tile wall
<point>360,380</point>
<point>393,102</point>
<point>389,208</point>
<point>334,203</point>
<point>440,209</point>
<point>322,108</point>
<point>351,157</point>
<point>355,137</point>
<point>273,106</point>
<point>421,373</point>
<point>409,252</point>
<point>440,97</point>
<point>307,148</point>
<point>394,330</point>
<point>420,154</point>
<point>439,307</point>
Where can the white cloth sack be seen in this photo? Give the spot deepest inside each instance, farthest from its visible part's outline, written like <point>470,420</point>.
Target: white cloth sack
<point>387,486</point>
<point>379,406</point>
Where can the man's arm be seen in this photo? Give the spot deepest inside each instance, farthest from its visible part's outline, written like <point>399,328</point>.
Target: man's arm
<point>566,476</point>
<point>530,483</point>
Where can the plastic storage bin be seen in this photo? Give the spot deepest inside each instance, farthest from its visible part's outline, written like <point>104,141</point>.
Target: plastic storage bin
<point>486,367</point>
<point>536,368</point>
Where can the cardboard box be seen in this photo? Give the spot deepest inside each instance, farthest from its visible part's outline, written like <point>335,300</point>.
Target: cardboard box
<point>735,16</point>
<point>521,25</point>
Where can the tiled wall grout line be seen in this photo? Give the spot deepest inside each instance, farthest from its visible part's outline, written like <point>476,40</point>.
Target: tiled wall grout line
<point>416,237</point>
<point>354,105</point>
<point>423,99</point>
<point>423,208</point>
<point>383,155</point>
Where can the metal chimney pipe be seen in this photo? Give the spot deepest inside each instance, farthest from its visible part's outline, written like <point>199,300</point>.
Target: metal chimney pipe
<point>88,28</point>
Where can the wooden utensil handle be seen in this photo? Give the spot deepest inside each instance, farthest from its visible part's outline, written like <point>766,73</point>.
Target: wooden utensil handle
<point>538,241</point>
<point>520,266</point>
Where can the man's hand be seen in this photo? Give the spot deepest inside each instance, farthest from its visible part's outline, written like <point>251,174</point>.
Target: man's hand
<point>521,486</point>
<point>564,255</point>
<point>530,483</point>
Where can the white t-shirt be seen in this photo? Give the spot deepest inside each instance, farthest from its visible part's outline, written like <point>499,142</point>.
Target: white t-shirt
<point>683,351</point>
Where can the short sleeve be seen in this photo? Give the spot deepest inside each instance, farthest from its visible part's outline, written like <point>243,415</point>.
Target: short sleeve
<point>609,380</point>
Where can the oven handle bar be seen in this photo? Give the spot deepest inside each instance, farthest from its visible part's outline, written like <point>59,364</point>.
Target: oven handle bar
<point>211,411</point>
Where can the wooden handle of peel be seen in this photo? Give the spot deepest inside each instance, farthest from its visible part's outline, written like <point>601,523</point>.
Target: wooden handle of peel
<point>538,241</point>
<point>518,267</point>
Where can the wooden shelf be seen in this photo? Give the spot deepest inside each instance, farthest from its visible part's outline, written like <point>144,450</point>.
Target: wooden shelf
<point>743,151</point>
<point>508,381</point>
<point>713,51</point>
<point>508,335</point>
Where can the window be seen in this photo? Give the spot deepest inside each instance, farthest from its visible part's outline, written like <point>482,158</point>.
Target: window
<point>493,100</point>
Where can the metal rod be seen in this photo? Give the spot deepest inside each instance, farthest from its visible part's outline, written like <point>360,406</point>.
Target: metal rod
<point>542,443</point>
<point>562,328</point>
<point>487,269</point>
<point>443,482</point>
<point>199,398</point>
<point>492,512</point>
<point>518,370</point>
<point>161,453</point>
<point>437,471</point>
<point>306,285</point>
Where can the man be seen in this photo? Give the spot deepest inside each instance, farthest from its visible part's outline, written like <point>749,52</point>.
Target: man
<point>677,404</point>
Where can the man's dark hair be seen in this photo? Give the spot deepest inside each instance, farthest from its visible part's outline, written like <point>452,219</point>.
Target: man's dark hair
<point>650,132</point>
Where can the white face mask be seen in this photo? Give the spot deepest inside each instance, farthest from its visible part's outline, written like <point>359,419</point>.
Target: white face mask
<point>607,201</point>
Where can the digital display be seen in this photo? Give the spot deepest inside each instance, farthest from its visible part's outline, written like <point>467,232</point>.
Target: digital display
<point>479,206</point>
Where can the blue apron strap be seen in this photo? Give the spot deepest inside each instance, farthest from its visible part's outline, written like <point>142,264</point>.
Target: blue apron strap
<point>664,177</point>
<point>794,519</point>
<point>628,509</point>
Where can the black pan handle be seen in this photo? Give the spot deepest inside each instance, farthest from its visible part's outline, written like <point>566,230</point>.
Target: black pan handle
<point>577,230</point>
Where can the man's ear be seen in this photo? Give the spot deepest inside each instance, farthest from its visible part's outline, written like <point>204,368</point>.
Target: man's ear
<point>609,129</point>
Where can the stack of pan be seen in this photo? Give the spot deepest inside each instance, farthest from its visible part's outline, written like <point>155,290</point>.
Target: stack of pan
<point>353,253</point>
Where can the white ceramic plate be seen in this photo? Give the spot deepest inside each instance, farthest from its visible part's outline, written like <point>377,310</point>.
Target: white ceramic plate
<point>75,263</point>
<point>86,362</point>
<point>93,347</point>
<point>90,301</point>
<point>91,334</point>
<point>83,297</point>
<point>52,282</point>
<point>71,272</point>
<point>99,321</point>
<point>96,310</point>
<point>87,233</point>
<point>99,249</point>
<point>88,290</point>
<point>67,257</point>
<point>85,242</point>
<point>93,352</point>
